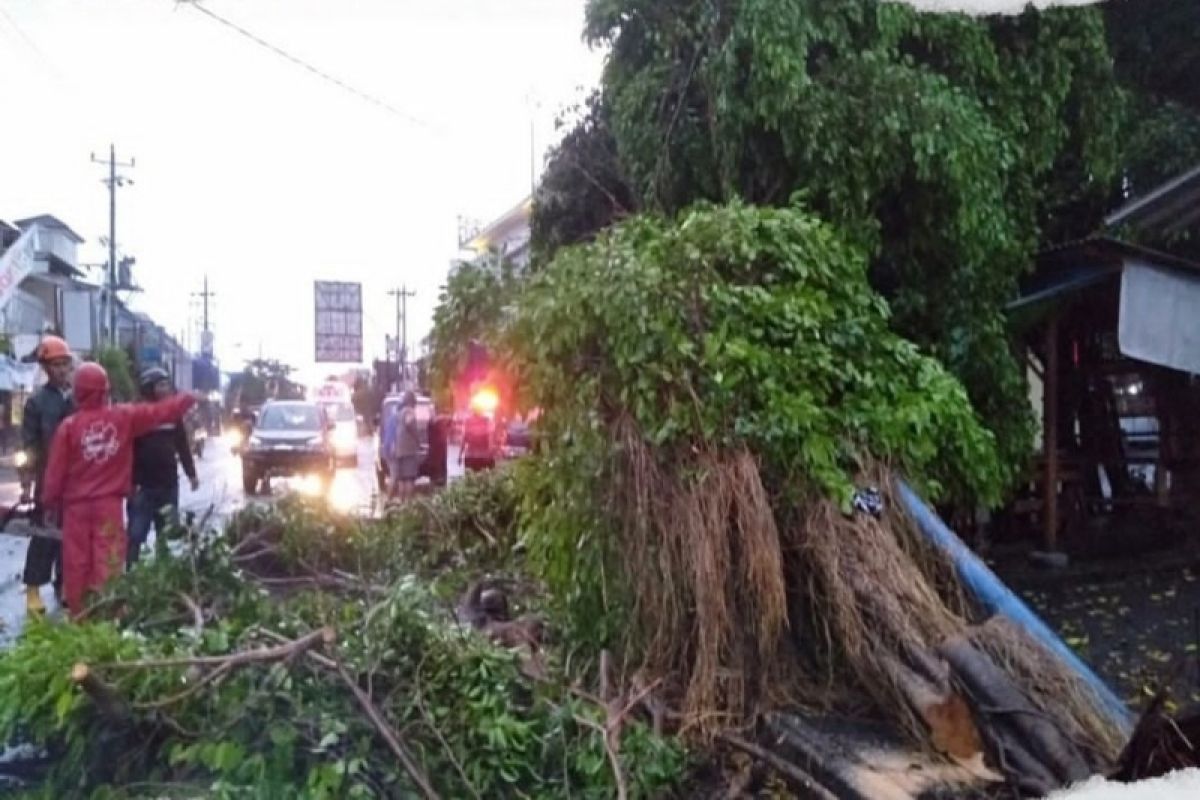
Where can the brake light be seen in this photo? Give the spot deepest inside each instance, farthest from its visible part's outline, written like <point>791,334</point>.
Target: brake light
<point>485,401</point>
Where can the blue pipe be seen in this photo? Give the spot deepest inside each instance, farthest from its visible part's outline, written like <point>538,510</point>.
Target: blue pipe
<point>997,598</point>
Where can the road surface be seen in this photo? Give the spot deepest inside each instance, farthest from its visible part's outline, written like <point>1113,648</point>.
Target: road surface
<point>353,491</point>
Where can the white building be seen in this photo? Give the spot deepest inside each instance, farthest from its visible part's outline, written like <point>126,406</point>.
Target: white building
<point>53,296</point>
<point>507,237</point>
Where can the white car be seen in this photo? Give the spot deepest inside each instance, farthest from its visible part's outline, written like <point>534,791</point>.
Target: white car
<point>345,432</point>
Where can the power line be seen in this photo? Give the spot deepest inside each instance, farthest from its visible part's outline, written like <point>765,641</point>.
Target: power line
<point>31,44</point>
<point>370,98</point>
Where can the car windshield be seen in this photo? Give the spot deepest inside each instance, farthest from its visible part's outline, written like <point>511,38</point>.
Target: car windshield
<point>290,418</point>
<point>340,412</point>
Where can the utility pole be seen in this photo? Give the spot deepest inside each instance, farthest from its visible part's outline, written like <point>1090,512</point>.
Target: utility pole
<point>204,297</point>
<point>206,349</point>
<point>113,181</point>
<point>402,294</point>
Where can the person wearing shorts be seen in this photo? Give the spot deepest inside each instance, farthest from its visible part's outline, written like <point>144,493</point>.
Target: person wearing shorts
<point>402,448</point>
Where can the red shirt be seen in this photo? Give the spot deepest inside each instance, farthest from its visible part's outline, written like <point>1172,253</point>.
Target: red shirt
<point>92,452</point>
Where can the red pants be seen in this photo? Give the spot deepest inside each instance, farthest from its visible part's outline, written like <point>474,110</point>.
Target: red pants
<point>93,547</point>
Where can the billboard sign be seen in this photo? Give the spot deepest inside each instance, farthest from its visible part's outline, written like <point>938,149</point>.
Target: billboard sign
<point>16,263</point>
<point>338,322</point>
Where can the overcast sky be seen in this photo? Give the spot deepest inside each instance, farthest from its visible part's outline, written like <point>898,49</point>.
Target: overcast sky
<point>265,177</point>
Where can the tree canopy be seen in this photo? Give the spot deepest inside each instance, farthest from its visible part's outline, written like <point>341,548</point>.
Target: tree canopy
<point>949,147</point>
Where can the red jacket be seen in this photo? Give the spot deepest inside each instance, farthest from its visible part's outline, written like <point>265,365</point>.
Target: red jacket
<point>92,452</point>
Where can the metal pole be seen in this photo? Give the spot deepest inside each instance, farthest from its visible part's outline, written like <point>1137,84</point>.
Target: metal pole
<point>113,182</point>
<point>1050,437</point>
<point>404,339</point>
<point>112,244</point>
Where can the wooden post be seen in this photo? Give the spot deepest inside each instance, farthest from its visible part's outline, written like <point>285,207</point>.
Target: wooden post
<point>1050,436</point>
<point>1162,386</point>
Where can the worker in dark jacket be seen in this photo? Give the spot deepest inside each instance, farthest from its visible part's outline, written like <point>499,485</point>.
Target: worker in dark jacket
<point>157,456</point>
<point>48,407</point>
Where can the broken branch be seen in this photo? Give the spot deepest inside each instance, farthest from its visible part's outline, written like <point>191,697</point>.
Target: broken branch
<point>785,768</point>
<point>197,614</point>
<point>259,655</point>
<point>107,701</point>
<point>610,749</point>
<point>389,735</point>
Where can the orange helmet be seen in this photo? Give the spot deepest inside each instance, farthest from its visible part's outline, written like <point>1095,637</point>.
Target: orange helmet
<point>53,348</point>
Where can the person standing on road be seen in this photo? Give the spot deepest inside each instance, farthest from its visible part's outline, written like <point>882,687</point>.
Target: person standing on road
<point>401,442</point>
<point>157,457</point>
<point>89,476</point>
<point>44,411</point>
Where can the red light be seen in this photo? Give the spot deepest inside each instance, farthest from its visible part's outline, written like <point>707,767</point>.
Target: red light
<point>485,401</point>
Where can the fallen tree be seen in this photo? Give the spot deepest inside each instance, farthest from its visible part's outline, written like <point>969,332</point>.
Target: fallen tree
<point>219,673</point>
<point>723,384</point>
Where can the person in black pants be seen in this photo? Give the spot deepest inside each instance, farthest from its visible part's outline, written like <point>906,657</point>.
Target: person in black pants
<point>48,407</point>
<point>155,499</point>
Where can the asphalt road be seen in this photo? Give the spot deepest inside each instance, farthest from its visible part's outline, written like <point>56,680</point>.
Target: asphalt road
<point>220,494</point>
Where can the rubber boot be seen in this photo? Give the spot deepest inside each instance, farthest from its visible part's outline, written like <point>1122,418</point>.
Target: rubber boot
<point>33,601</point>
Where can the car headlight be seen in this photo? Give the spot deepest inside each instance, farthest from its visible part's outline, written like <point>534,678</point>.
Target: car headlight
<point>21,459</point>
<point>255,442</point>
<point>316,442</point>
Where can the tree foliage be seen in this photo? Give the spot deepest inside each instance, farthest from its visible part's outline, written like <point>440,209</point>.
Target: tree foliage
<point>950,147</point>
<point>473,723</point>
<point>1156,59</point>
<point>117,364</point>
<point>583,189</point>
<point>472,307</point>
<point>265,379</point>
<point>731,327</point>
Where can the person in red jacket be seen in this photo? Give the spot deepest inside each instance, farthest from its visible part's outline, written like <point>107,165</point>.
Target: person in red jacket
<point>89,475</point>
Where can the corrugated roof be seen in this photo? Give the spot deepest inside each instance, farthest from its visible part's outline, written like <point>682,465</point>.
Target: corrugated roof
<point>1170,208</point>
<point>1065,270</point>
<point>1101,248</point>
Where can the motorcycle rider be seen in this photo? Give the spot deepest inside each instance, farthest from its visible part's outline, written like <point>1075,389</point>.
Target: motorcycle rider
<point>157,456</point>
<point>89,476</point>
<point>478,451</point>
<point>48,407</point>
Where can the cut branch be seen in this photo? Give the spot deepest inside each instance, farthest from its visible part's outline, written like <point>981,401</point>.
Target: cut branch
<point>110,704</point>
<point>323,636</point>
<point>389,735</point>
<point>197,614</point>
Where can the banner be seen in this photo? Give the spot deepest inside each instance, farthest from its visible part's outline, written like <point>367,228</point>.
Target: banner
<point>338,324</point>
<point>16,263</point>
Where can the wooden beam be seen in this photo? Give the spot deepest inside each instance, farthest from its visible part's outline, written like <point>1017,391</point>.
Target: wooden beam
<point>1050,436</point>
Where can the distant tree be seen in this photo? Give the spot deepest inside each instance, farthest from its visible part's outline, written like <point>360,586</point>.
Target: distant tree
<point>1157,61</point>
<point>583,189</point>
<point>263,380</point>
<point>119,366</point>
